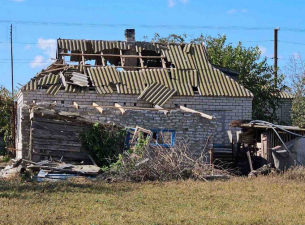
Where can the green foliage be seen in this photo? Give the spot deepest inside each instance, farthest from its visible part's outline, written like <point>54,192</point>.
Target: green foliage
<point>6,107</point>
<point>296,72</point>
<point>105,145</point>
<point>255,73</point>
<point>141,145</point>
<point>298,111</point>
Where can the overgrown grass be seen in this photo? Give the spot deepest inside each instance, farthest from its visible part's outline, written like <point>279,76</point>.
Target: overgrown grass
<point>262,200</point>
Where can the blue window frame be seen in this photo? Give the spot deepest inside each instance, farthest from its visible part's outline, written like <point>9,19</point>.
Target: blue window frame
<point>161,137</point>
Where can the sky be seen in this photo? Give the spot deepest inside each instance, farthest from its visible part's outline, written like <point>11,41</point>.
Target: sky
<point>38,23</point>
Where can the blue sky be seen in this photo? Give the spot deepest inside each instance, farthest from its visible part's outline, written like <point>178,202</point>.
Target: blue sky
<point>35,45</point>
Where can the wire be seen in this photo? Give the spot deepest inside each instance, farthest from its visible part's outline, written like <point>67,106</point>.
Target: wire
<point>37,23</point>
<point>289,42</point>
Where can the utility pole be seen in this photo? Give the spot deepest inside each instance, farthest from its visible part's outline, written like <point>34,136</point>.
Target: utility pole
<point>12,71</point>
<point>275,55</point>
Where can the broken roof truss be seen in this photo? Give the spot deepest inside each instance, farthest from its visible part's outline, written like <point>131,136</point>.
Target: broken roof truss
<point>179,69</point>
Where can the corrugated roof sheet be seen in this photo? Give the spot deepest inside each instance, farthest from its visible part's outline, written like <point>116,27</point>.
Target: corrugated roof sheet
<point>190,70</point>
<point>285,94</point>
<point>30,86</point>
<point>80,79</point>
<point>96,46</point>
<point>49,79</point>
<point>157,94</point>
<point>53,89</point>
<point>103,76</point>
<point>131,82</point>
<point>75,89</point>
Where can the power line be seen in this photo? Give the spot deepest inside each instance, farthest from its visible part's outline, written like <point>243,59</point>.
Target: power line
<point>39,23</point>
<point>289,42</point>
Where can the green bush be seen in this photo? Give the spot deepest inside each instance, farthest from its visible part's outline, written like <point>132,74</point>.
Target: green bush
<point>104,144</point>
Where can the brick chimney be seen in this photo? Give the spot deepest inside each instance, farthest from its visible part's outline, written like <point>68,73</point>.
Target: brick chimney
<point>130,35</point>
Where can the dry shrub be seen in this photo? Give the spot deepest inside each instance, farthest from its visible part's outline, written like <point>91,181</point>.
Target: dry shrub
<point>165,164</point>
<point>295,173</point>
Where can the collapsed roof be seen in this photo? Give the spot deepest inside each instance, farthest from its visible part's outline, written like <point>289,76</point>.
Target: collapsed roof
<point>154,71</point>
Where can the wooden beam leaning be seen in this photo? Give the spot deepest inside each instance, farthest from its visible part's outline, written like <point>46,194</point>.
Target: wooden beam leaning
<point>194,111</point>
<point>120,108</point>
<point>100,109</point>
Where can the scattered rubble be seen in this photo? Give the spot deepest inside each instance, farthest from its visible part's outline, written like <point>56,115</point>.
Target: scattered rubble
<point>48,169</point>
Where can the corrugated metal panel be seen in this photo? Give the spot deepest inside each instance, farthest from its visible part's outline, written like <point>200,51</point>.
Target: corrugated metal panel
<point>157,94</point>
<point>31,85</point>
<point>103,76</point>
<point>73,45</point>
<point>99,46</point>
<point>104,90</point>
<point>157,76</point>
<point>49,79</point>
<point>75,88</point>
<point>179,58</point>
<point>79,79</point>
<point>131,82</point>
<point>185,76</point>
<point>284,94</point>
<point>53,89</point>
<point>183,88</point>
<point>212,82</point>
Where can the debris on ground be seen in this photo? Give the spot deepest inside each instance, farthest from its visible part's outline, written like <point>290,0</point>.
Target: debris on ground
<point>48,169</point>
<point>264,170</point>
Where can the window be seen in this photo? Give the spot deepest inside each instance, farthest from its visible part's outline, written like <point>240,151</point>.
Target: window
<point>162,137</point>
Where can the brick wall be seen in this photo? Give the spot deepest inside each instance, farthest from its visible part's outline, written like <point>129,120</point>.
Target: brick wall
<point>224,109</point>
<point>189,128</point>
<point>284,111</point>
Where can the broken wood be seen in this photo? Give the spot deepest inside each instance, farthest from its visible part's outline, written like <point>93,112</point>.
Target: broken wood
<point>100,109</point>
<point>196,112</point>
<point>120,108</point>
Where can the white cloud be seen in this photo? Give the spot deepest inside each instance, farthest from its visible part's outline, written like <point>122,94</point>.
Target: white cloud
<point>184,1</point>
<point>171,3</point>
<point>262,49</point>
<point>48,46</point>
<point>244,11</point>
<point>27,47</point>
<point>37,62</point>
<point>232,11</point>
<point>17,0</point>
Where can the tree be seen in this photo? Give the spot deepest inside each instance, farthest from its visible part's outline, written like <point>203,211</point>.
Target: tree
<point>6,107</point>
<point>254,73</point>
<point>296,72</point>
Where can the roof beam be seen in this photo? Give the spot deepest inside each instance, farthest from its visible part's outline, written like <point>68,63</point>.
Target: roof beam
<point>113,55</point>
<point>120,108</point>
<point>100,109</point>
<point>76,105</point>
<point>194,111</point>
<point>161,109</point>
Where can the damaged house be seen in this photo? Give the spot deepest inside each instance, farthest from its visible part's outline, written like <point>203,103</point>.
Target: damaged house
<point>170,89</point>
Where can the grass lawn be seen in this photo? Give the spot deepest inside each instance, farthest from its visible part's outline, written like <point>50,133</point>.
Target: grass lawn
<point>263,200</point>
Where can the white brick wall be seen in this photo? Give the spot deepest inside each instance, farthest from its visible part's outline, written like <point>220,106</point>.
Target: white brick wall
<point>223,108</point>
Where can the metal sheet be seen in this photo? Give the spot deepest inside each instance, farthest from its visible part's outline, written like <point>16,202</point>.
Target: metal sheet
<point>132,82</point>
<point>49,79</point>
<point>31,85</point>
<point>157,94</point>
<point>75,89</point>
<point>53,89</point>
<point>103,76</point>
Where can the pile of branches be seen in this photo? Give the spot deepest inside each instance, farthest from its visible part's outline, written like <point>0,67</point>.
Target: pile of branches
<point>165,164</point>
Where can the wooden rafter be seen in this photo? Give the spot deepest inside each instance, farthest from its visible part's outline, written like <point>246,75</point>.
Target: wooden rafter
<point>194,111</point>
<point>120,108</point>
<point>100,109</point>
